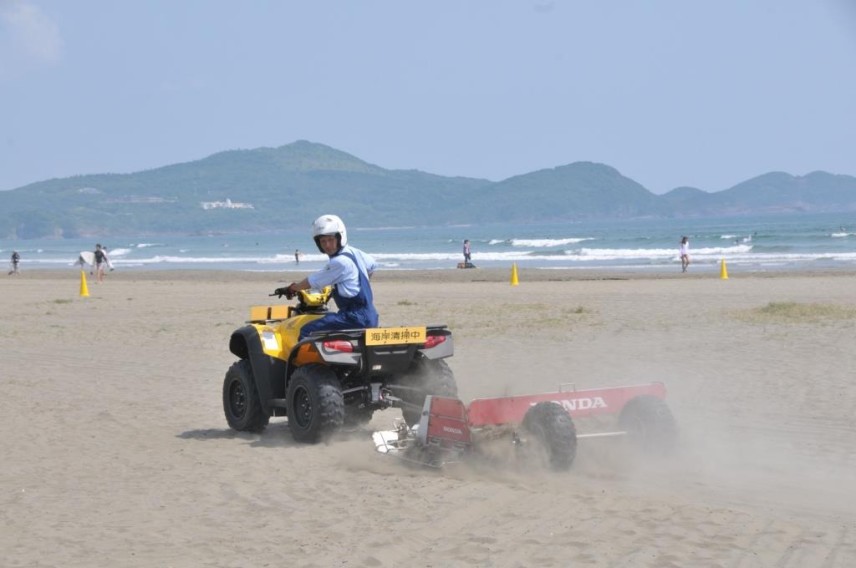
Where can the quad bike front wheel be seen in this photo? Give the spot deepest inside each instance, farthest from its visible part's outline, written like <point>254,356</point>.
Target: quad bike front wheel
<point>649,425</point>
<point>241,402</point>
<point>314,403</point>
<point>550,430</point>
<point>426,376</point>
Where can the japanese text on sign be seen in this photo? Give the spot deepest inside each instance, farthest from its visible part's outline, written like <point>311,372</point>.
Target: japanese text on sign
<point>395,335</point>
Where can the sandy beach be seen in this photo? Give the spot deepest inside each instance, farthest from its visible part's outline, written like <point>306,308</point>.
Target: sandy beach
<point>116,451</point>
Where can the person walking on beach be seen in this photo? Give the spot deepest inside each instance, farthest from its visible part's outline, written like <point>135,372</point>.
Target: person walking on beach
<point>16,258</point>
<point>296,256</point>
<point>348,272</point>
<point>101,262</point>
<point>685,253</point>
<point>466,252</point>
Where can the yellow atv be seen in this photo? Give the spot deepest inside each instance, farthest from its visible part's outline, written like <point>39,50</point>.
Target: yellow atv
<point>331,378</point>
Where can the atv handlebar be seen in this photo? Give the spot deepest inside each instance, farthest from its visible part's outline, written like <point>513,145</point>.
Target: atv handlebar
<point>280,292</point>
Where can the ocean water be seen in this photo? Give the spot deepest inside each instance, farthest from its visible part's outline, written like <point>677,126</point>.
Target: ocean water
<point>769,243</point>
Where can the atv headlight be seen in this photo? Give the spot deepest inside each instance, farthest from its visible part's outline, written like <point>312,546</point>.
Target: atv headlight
<point>269,340</point>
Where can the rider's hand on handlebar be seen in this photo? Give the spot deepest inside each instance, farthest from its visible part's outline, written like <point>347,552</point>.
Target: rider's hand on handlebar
<point>291,291</point>
<point>288,291</point>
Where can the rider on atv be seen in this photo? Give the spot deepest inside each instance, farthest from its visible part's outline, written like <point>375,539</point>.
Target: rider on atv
<point>348,271</point>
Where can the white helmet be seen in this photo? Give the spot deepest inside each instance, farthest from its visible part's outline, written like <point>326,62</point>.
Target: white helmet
<point>329,225</point>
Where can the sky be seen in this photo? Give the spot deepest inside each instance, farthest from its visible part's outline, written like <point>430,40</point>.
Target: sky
<point>669,92</point>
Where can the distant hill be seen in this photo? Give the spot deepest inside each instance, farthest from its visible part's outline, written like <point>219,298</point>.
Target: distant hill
<point>771,193</point>
<point>272,188</point>
<point>582,190</point>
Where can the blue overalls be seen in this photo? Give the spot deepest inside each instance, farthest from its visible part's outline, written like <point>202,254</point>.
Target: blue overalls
<point>354,313</point>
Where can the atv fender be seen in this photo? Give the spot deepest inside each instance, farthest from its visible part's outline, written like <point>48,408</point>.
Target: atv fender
<point>443,349</point>
<point>268,372</point>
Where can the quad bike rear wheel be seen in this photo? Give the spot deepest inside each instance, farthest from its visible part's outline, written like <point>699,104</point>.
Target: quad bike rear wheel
<point>314,403</point>
<point>426,376</point>
<point>649,424</point>
<point>241,402</point>
<point>553,431</point>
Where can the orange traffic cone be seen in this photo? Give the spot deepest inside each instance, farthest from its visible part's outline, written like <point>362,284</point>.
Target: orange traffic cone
<point>84,289</point>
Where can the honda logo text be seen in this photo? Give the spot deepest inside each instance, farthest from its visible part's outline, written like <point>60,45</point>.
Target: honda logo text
<point>580,403</point>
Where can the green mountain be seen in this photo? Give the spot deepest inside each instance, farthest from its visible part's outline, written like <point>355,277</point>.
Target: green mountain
<point>577,191</point>
<point>775,192</point>
<point>270,188</point>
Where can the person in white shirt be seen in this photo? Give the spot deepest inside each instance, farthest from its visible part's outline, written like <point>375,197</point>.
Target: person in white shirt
<point>348,272</point>
<point>685,253</point>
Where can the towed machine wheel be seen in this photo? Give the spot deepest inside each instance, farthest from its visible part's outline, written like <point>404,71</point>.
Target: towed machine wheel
<point>554,434</point>
<point>241,402</point>
<point>314,403</point>
<point>649,425</point>
<point>427,376</point>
